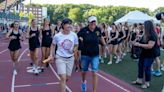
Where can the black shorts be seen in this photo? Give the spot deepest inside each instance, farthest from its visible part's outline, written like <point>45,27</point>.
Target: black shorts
<point>157,52</point>
<point>46,42</point>
<point>32,48</point>
<point>14,46</point>
<point>115,42</point>
<point>33,45</point>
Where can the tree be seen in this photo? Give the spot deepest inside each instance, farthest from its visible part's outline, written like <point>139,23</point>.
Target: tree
<point>75,14</point>
<point>79,13</point>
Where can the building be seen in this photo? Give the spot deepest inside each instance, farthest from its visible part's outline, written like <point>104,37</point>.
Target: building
<point>38,12</point>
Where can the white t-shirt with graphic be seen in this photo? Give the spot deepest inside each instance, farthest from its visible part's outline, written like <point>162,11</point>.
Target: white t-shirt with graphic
<point>65,43</point>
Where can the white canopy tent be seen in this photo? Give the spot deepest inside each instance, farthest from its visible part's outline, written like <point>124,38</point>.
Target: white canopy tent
<point>136,17</point>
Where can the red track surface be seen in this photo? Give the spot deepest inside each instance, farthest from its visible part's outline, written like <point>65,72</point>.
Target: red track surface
<point>48,81</point>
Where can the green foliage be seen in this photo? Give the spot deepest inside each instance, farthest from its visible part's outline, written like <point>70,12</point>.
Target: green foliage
<point>79,13</point>
<point>160,9</point>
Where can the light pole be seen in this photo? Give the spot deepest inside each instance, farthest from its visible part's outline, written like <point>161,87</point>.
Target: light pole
<point>5,12</point>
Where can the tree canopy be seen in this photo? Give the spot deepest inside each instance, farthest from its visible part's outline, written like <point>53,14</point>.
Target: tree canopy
<point>79,13</point>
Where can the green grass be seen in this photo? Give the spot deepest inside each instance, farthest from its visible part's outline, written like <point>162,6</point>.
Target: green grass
<point>127,71</point>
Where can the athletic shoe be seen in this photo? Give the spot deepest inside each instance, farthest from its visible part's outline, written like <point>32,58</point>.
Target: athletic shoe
<point>118,60</point>
<point>41,68</point>
<point>110,62</point>
<point>102,61</point>
<point>76,69</point>
<point>115,57</point>
<point>146,85</point>
<point>124,54</point>
<point>15,72</point>
<point>84,86</point>
<point>157,73</point>
<point>162,68</point>
<point>47,65</point>
<point>152,72</point>
<point>163,89</point>
<point>36,71</point>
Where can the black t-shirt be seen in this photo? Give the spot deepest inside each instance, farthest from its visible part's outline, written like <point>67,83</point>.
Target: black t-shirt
<point>150,53</point>
<point>90,44</point>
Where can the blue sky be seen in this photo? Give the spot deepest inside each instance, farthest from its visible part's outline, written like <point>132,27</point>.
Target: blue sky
<point>151,4</point>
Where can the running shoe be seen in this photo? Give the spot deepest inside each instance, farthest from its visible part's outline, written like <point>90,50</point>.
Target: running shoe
<point>84,86</point>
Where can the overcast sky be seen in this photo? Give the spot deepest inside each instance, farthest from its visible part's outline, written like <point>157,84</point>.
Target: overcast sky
<point>151,4</point>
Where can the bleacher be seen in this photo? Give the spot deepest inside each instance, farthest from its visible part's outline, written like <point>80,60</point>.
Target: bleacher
<point>9,15</point>
<point>10,3</point>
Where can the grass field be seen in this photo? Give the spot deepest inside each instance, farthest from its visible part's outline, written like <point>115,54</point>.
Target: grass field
<point>127,71</point>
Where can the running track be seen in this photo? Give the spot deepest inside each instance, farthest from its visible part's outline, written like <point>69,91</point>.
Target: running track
<point>49,80</point>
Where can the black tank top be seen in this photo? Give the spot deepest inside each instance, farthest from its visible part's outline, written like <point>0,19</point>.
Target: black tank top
<point>112,34</point>
<point>134,34</point>
<point>103,33</point>
<point>15,43</point>
<point>46,33</point>
<point>34,32</point>
<point>120,34</point>
<point>16,35</point>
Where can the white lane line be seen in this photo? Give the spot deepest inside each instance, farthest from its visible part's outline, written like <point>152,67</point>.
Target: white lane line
<point>13,78</point>
<point>69,90</point>
<point>112,82</point>
<point>13,83</point>
<point>21,86</point>
<point>29,85</point>
<point>3,51</point>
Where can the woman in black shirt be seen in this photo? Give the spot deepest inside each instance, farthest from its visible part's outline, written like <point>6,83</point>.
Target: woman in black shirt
<point>147,56</point>
<point>33,34</point>
<point>113,42</point>
<point>46,34</point>
<point>15,36</point>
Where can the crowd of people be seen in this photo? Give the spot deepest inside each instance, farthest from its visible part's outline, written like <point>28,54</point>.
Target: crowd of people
<point>85,45</point>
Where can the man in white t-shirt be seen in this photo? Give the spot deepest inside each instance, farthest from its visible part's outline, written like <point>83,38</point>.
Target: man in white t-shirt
<point>67,43</point>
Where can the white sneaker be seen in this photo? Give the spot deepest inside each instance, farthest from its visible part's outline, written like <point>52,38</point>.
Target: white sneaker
<point>36,71</point>
<point>102,61</point>
<point>110,62</point>
<point>15,72</point>
<point>118,61</point>
<point>31,70</point>
<point>162,68</point>
<point>124,54</point>
<point>29,67</point>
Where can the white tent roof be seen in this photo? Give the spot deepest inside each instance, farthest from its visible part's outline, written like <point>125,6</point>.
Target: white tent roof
<point>135,17</point>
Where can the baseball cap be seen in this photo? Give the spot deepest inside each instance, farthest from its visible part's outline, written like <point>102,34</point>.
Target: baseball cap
<point>92,18</point>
